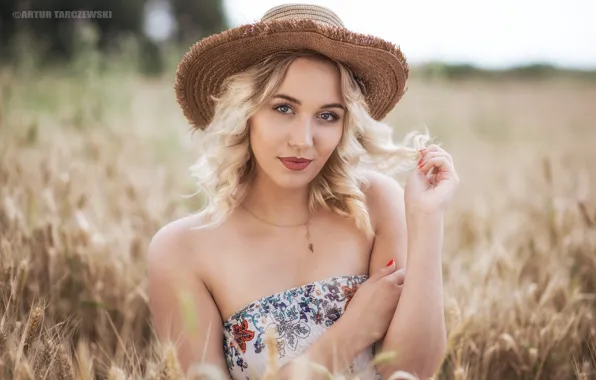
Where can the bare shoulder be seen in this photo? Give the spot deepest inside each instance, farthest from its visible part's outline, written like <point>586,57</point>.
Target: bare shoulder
<point>177,242</point>
<point>176,287</point>
<point>383,194</point>
<point>381,188</point>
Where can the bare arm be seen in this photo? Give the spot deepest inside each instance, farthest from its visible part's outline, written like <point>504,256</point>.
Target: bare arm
<point>182,309</point>
<point>390,243</point>
<point>417,330</point>
<point>420,326</point>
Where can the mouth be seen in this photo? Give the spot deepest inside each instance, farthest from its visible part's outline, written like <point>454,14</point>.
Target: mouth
<point>295,163</point>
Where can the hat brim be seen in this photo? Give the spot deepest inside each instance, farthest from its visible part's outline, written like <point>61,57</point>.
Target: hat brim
<point>379,64</point>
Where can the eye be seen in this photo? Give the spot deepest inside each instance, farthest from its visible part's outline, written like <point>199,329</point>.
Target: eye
<point>283,108</point>
<point>329,116</point>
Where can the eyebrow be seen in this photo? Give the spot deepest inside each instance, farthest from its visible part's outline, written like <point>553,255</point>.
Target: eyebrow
<point>294,100</point>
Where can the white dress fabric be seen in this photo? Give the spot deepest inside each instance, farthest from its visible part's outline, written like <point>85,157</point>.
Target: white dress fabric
<point>300,316</point>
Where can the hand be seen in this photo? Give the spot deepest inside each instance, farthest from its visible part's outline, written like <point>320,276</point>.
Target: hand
<point>373,305</point>
<point>431,187</point>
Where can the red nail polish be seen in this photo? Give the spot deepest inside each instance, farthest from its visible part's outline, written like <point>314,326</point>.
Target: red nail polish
<point>420,161</point>
<point>390,263</point>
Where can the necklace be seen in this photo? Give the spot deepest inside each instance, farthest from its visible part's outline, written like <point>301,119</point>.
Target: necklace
<point>306,224</point>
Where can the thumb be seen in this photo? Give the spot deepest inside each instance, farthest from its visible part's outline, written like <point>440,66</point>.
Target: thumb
<point>398,277</point>
<point>380,273</point>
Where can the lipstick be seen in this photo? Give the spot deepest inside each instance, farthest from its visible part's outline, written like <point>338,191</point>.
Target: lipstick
<point>295,163</point>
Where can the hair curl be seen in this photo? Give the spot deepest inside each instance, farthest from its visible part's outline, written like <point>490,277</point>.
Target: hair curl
<point>226,165</point>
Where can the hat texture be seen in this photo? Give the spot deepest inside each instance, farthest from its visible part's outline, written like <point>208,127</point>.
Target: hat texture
<point>378,65</point>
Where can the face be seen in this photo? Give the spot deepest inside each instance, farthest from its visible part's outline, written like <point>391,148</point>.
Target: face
<point>294,134</point>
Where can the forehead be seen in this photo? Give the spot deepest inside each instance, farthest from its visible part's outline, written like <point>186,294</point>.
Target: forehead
<point>312,81</point>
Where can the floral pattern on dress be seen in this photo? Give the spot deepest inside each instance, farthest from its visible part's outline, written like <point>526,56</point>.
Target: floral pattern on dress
<point>242,334</point>
<point>298,315</point>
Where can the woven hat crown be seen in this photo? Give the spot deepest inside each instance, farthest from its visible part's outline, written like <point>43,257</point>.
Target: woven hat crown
<point>303,11</point>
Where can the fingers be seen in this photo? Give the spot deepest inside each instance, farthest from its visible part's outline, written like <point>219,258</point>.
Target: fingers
<point>379,274</point>
<point>432,148</point>
<point>441,161</point>
<point>429,155</point>
<point>394,283</point>
<point>401,276</point>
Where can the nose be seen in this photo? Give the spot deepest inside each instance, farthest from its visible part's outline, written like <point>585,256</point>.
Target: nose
<point>301,134</point>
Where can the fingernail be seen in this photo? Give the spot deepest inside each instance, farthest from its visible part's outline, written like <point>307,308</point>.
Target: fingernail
<point>390,263</point>
<point>420,161</point>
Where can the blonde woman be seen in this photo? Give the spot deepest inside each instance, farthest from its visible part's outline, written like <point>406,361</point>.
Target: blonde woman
<point>305,233</point>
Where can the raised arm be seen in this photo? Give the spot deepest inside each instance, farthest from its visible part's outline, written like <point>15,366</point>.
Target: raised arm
<point>183,310</point>
<point>386,210</point>
<point>417,331</point>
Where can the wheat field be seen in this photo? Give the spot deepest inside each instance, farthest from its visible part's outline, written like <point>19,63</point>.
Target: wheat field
<point>92,164</point>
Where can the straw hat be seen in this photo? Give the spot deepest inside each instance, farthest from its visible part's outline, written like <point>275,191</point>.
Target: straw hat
<point>378,65</point>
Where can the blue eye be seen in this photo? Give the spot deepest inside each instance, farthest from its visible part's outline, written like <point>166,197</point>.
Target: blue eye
<point>282,107</point>
<point>333,117</point>
<point>326,116</point>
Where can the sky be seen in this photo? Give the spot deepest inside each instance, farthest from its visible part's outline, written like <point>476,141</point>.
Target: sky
<point>485,33</point>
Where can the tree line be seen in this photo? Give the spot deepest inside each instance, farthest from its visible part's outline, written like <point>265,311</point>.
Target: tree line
<point>55,38</point>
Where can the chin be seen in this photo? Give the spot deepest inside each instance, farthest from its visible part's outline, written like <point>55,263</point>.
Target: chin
<point>287,179</point>
<point>292,181</point>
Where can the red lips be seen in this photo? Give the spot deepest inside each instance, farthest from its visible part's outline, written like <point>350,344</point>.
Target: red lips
<point>295,163</point>
<point>295,159</point>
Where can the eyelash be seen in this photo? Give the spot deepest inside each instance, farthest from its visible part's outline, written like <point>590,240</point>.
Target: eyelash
<point>336,118</point>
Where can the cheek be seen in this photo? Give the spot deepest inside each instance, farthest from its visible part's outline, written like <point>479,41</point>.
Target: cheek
<point>264,141</point>
<point>329,140</point>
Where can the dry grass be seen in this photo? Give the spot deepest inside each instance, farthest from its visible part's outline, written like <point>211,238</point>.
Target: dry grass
<point>90,167</point>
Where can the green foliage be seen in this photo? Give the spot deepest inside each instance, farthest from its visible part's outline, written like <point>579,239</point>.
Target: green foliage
<point>54,41</point>
<point>197,19</point>
<point>439,70</point>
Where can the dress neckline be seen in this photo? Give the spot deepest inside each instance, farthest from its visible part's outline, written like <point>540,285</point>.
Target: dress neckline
<point>326,280</point>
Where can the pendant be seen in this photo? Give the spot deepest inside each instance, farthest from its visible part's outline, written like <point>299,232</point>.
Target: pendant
<point>310,247</point>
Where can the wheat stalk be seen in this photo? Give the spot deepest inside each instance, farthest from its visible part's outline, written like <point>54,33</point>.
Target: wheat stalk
<point>19,283</point>
<point>64,364</point>
<point>116,373</point>
<point>170,366</point>
<point>45,357</point>
<point>271,344</point>
<point>23,371</point>
<point>84,362</point>
<point>33,328</point>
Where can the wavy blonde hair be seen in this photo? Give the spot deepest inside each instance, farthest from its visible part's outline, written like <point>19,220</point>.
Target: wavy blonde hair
<point>226,164</point>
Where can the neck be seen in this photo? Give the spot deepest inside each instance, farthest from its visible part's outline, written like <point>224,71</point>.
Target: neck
<point>275,205</point>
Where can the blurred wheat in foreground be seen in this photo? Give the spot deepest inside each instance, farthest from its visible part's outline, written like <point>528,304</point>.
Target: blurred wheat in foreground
<point>91,166</point>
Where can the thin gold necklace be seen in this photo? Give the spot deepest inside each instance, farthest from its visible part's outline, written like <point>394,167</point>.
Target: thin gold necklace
<point>306,224</point>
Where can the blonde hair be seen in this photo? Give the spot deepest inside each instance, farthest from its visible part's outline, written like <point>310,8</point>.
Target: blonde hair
<point>226,164</point>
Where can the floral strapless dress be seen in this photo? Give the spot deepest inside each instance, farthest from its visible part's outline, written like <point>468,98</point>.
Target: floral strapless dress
<point>300,316</point>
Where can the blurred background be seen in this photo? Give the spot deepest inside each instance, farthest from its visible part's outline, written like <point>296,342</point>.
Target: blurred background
<point>535,35</point>
<point>94,157</point>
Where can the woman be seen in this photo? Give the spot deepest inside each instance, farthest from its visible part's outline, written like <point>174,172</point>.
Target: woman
<point>301,232</point>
